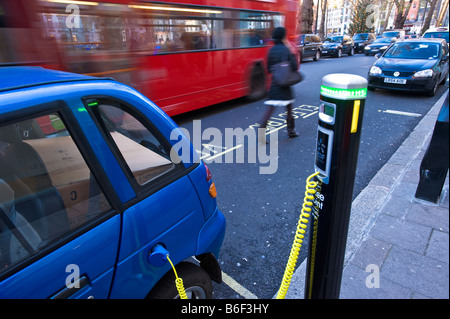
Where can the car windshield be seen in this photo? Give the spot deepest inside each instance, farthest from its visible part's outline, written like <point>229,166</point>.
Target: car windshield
<point>301,39</point>
<point>413,50</point>
<point>360,36</point>
<point>382,40</point>
<point>441,35</point>
<point>390,34</point>
<point>333,40</point>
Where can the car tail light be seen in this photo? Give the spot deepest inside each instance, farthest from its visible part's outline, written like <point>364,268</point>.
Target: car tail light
<point>208,174</point>
<point>212,188</point>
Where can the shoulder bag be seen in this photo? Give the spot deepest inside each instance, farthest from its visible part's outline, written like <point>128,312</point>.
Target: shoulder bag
<point>283,75</point>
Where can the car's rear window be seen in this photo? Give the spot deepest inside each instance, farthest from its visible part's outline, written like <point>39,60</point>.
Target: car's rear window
<point>440,35</point>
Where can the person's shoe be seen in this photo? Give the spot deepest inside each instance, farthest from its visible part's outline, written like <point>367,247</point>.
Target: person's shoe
<point>290,123</point>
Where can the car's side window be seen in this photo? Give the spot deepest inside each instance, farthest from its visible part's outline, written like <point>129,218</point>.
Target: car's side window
<point>140,147</point>
<point>47,191</point>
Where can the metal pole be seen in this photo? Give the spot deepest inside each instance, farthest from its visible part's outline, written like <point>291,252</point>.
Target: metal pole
<point>434,165</point>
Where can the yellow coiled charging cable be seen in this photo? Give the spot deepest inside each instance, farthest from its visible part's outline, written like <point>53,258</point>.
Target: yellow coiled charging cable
<point>311,190</point>
<point>178,281</point>
<point>300,234</point>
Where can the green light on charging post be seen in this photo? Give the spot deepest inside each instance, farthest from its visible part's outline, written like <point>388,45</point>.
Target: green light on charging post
<point>343,94</point>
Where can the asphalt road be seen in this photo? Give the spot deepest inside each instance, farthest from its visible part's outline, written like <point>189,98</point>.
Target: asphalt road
<point>262,209</point>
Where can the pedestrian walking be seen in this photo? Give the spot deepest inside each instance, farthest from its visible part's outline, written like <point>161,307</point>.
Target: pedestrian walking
<point>280,96</point>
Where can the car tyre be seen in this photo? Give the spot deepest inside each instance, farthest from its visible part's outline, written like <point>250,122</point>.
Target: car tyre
<point>432,92</point>
<point>317,56</point>
<point>351,52</point>
<point>196,281</point>
<point>339,53</point>
<point>443,80</point>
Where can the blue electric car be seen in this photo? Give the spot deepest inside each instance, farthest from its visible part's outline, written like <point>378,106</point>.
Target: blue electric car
<point>92,191</point>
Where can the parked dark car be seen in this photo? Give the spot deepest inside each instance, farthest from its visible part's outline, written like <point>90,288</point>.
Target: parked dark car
<point>440,32</point>
<point>378,46</point>
<point>336,45</point>
<point>362,40</point>
<point>413,64</point>
<point>92,196</point>
<point>309,46</point>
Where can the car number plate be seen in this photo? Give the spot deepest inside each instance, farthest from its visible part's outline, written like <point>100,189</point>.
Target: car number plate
<point>325,51</point>
<point>394,80</point>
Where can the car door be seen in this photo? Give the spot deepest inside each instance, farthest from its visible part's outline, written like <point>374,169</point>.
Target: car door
<point>315,42</point>
<point>166,211</point>
<point>307,48</point>
<point>444,62</point>
<point>346,44</point>
<point>58,231</point>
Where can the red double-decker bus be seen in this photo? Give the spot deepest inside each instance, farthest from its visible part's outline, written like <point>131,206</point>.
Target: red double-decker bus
<point>182,54</point>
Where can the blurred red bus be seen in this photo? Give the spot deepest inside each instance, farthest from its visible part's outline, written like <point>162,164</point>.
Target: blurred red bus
<point>183,56</point>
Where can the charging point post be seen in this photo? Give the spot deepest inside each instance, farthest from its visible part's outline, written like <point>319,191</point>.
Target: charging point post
<point>342,99</point>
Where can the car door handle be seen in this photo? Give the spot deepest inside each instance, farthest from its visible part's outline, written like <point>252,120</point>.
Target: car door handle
<point>66,292</point>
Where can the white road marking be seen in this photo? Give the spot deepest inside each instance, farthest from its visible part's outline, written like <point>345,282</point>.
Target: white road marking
<point>402,113</point>
<point>208,157</point>
<point>233,284</point>
<point>302,111</point>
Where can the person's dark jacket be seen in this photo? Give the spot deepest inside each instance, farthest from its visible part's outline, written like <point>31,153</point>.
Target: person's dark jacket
<point>279,53</point>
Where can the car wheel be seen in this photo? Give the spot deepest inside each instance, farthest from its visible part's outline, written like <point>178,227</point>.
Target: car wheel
<point>339,53</point>
<point>443,80</point>
<point>257,85</point>
<point>432,92</point>
<point>317,56</point>
<point>196,281</point>
<point>351,52</point>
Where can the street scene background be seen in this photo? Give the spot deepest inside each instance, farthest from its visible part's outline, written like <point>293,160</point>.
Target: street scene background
<point>262,210</point>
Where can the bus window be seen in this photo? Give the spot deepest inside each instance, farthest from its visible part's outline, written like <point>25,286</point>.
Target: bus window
<point>151,28</point>
<point>150,45</point>
<point>176,28</point>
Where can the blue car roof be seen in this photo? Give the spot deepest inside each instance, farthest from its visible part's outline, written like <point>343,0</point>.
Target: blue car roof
<point>14,77</point>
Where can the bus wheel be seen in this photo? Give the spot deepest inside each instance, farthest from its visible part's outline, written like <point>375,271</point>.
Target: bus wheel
<point>257,85</point>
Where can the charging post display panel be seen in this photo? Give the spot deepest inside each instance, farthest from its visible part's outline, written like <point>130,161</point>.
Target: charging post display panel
<point>327,114</point>
<point>323,152</point>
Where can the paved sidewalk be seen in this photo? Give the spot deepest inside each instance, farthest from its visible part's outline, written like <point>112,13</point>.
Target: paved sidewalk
<point>394,235</point>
